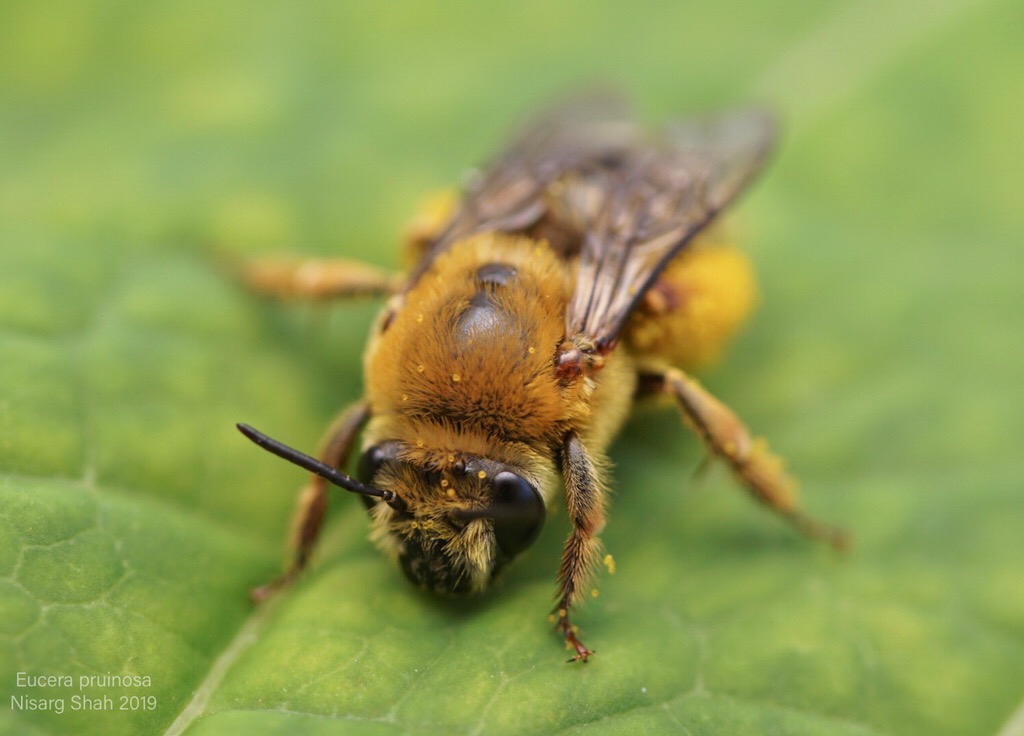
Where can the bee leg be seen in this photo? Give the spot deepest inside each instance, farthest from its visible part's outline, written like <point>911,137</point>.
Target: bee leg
<point>726,437</point>
<point>584,497</point>
<point>305,278</point>
<point>312,505</point>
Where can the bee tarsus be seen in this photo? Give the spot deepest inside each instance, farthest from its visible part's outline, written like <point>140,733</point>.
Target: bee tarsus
<point>567,631</point>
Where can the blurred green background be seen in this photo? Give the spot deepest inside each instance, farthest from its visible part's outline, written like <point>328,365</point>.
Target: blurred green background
<point>140,140</point>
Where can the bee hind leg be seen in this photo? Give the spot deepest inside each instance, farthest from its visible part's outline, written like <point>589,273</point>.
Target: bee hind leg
<point>312,504</point>
<point>584,496</point>
<point>726,437</point>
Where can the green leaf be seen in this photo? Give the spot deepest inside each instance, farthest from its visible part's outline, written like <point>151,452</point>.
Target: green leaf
<point>141,145</point>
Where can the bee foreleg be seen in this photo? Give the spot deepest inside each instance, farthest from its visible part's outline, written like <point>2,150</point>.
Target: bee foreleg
<point>725,436</point>
<point>317,279</point>
<point>312,504</point>
<point>584,497</point>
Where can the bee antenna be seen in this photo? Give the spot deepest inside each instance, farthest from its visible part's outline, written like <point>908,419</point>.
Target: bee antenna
<point>322,469</point>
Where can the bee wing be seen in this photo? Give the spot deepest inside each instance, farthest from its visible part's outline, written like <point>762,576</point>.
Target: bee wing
<point>634,201</point>
<point>637,209</point>
<point>510,194</point>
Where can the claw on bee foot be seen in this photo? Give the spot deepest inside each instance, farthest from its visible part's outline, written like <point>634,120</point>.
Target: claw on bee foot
<point>838,538</point>
<point>262,592</point>
<point>572,642</point>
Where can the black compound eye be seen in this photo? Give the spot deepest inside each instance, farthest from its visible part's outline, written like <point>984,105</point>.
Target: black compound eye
<point>369,464</point>
<point>519,513</point>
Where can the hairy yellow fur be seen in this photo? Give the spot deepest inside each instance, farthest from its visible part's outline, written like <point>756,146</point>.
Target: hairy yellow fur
<point>446,392</point>
<point>424,364</point>
<point>498,381</point>
<point>697,304</point>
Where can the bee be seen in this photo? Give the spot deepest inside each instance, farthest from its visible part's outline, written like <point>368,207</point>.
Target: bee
<point>574,274</point>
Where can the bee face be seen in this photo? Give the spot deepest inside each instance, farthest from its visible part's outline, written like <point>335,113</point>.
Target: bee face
<point>462,518</point>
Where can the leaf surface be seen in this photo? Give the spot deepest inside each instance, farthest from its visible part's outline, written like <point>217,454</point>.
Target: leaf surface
<point>141,146</point>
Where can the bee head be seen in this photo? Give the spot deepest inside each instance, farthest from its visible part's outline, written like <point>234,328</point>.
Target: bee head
<point>461,520</point>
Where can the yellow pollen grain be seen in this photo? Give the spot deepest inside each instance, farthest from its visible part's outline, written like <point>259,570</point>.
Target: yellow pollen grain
<point>456,377</point>
<point>444,482</point>
<point>594,592</point>
<point>450,493</point>
<point>419,443</point>
<point>609,563</point>
<point>420,368</point>
<point>405,397</point>
<point>531,350</point>
<point>451,458</point>
<point>551,618</point>
<point>561,613</point>
<point>419,317</point>
<point>481,475</point>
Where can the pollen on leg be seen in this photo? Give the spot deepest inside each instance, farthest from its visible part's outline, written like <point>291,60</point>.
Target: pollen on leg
<point>456,377</point>
<point>609,563</point>
<point>700,300</point>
